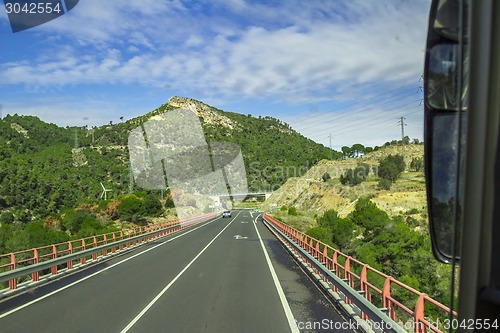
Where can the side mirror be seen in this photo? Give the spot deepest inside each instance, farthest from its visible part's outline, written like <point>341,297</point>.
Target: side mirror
<point>446,107</point>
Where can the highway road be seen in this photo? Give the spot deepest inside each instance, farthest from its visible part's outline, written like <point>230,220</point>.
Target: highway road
<point>225,275</point>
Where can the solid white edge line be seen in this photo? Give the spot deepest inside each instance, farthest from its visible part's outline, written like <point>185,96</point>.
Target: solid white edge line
<point>100,271</point>
<point>164,290</point>
<point>286,307</point>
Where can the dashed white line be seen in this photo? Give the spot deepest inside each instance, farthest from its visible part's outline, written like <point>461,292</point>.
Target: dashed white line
<point>164,290</point>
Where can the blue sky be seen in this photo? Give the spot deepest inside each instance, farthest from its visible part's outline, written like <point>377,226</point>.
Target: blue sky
<point>346,68</point>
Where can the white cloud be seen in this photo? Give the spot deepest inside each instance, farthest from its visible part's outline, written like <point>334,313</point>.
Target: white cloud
<point>295,52</point>
<point>383,43</point>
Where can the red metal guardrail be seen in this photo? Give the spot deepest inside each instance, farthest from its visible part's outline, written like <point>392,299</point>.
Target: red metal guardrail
<point>16,260</point>
<point>377,287</point>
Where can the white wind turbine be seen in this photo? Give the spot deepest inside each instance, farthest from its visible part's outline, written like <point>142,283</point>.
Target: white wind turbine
<point>104,192</point>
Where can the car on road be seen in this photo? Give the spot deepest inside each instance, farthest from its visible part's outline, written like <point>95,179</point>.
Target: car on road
<point>226,213</point>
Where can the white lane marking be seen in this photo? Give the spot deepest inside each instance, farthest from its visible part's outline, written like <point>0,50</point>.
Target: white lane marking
<point>251,214</point>
<point>284,302</point>
<point>100,271</point>
<point>164,290</point>
<point>240,237</point>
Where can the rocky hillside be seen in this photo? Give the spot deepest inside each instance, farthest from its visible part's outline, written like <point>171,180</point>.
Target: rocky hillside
<point>45,168</point>
<point>311,194</point>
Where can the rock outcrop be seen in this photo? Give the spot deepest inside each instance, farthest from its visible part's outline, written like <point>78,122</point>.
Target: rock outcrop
<point>209,114</point>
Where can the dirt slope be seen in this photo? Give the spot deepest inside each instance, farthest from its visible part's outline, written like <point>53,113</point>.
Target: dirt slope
<point>309,193</point>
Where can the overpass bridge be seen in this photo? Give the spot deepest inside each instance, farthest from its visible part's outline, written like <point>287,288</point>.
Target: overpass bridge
<point>219,198</point>
<point>209,274</point>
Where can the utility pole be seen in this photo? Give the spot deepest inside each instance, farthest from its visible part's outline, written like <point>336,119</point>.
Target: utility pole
<point>402,123</point>
<point>330,137</point>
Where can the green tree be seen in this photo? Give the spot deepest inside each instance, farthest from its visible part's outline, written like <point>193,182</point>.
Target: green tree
<point>6,218</point>
<point>355,176</point>
<point>391,167</point>
<point>384,184</point>
<point>72,219</point>
<point>346,151</point>
<point>322,234</point>
<point>328,219</point>
<point>417,164</point>
<point>358,149</point>
<point>151,206</point>
<point>129,208</point>
<point>367,215</point>
<point>326,177</point>
<point>343,232</point>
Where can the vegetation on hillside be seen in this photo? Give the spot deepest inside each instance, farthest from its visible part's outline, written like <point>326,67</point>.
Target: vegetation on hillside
<point>389,170</point>
<point>390,245</point>
<point>85,220</point>
<point>47,170</point>
<point>272,150</point>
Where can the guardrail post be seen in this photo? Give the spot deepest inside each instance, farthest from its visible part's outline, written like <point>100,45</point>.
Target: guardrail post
<point>121,238</point>
<point>13,282</point>
<point>386,294</point>
<point>364,287</point>
<point>419,314</point>
<point>347,275</point>
<point>113,250</point>
<point>70,251</point>
<point>35,275</point>
<point>105,240</point>
<point>325,255</point>
<point>94,244</point>
<point>83,260</point>
<point>316,250</point>
<point>335,267</point>
<point>53,269</point>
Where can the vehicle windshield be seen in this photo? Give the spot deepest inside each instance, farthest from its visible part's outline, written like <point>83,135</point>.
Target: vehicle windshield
<point>302,119</point>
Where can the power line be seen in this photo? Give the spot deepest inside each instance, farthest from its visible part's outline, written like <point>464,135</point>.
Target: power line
<point>359,123</point>
<point>359,108</point>
<point>377,122</point>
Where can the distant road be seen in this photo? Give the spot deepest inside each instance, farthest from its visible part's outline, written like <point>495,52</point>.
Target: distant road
<point>215,277</point>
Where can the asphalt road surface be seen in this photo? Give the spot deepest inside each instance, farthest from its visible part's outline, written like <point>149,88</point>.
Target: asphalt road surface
<point>225,275</point>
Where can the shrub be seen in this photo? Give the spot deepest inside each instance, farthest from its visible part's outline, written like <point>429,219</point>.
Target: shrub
<point>151,206</point>
<point>130,205</point>
<point>292,211</point>
<point>326,177</point>
<point>6,218</point>
<point>417,164</point>
<point>391,167</point>
<point>355,176</point>
<point>384,184</point>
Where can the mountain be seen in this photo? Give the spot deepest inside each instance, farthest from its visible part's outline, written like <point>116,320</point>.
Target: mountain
<point>45,168</point>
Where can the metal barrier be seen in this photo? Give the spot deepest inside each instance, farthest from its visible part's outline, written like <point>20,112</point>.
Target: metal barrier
<point>44,263</point>
<point>340,272</point>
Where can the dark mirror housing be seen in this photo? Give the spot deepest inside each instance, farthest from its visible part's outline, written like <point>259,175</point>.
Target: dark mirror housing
<point>446,102</point>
